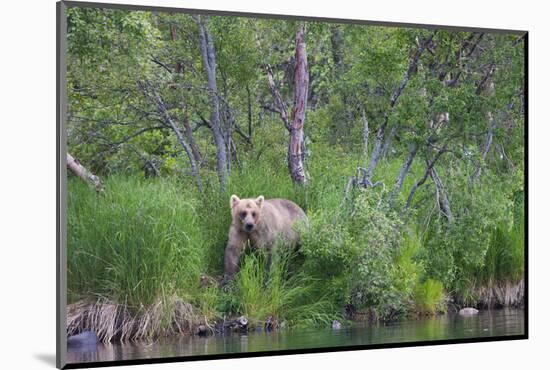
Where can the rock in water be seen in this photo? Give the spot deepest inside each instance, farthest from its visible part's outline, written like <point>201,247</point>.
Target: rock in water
<point>201,330</point>
<point>242,321</point>
<point>269,323</point>
<point>468,311</point>
<point>85,341</point>
<point>336,325</point>
<point>240,324</point>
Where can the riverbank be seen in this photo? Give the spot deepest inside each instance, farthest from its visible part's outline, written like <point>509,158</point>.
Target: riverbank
<point>145,259</point>
<point>113,322</point>
<point>495,323</point>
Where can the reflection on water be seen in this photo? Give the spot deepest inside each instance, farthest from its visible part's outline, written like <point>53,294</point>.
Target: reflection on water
<point>486,324</point>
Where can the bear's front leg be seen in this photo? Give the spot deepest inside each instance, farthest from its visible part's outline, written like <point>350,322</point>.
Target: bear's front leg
<point>233,250</point>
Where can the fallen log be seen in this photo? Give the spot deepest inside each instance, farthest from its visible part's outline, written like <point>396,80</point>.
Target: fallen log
<point>79,170</point>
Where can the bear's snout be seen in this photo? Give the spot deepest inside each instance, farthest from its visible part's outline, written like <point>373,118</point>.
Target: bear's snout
<point>248,226</point>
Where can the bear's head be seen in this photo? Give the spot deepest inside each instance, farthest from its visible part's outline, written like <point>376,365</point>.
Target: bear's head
<point>246,212</point>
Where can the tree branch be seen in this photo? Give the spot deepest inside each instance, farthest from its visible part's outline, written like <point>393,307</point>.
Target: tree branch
<point>152,95</point>
<point>277,97</point>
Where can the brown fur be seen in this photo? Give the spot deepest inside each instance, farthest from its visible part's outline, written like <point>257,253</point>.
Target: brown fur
<point>262,222</point>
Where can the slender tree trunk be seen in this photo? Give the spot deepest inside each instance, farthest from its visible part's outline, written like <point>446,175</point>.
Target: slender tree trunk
<point>405,168</point>
<point>423,179</point>
<point>189,134</point>
<point>301,82</point>
<point>281,106</point>
<point>173,37</point>
<point>365,135</point>
<point>441,194</point>
<point>151,94</point>
<point>388,141</point>
<point>296,126</point>
<point>209,62</point>
<point>376,151</point>
<point>82,172</point>
<point>486,147</point>
<point>337,44</point>
<point>249,111</point>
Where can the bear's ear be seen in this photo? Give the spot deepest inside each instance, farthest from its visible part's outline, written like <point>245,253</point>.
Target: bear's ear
<point>260,201</point>
<point>234,200</point>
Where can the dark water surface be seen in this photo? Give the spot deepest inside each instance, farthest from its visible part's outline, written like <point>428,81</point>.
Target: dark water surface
<point>485,324</point>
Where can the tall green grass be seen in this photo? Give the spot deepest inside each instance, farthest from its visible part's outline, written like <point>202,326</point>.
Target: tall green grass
<point>427,294</point>
<point>505,257</point>
<point>429,297</point>
<point>263,290</point>
<point>137,243</point>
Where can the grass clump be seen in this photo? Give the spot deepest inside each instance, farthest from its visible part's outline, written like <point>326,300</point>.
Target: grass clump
<point>139,249</point>
<point>429,297</point>
<point>262,289</point>
<point>136,243</point>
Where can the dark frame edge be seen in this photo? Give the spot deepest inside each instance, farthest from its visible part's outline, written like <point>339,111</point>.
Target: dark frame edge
<point>526,181</point>
<point>71,3</point>
<point>61,173</point>
<point>302,351</point>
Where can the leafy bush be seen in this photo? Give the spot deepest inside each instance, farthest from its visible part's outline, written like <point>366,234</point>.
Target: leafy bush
<point>354,252</point>
<point>456,251</point>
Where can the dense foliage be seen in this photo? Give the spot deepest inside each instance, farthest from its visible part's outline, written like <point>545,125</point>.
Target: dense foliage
<point>444,229</point>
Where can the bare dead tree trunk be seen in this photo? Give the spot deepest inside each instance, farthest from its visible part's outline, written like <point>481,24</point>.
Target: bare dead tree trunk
<point>365,134</point>
<point>295,127</point>
<point>405,168</point>
<point>152,95</point>
<point>82,172</point>
<point>209,62</point>
<point>441,196</point>
<point>301,83</point>
<point>189,134</point>
<point>486,147</point>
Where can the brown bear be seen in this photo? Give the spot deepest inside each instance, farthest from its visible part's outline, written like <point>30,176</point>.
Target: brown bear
<point>263,222</point>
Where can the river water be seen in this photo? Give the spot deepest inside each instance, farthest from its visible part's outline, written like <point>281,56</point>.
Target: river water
<point>486,324</point>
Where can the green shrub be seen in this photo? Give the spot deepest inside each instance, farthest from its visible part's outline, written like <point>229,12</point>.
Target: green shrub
<point>353,251</point>
<point>456,251</point>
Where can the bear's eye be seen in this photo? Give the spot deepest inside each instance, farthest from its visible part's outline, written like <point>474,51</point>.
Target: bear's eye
<point>254,214</point>
<point>243,214</point>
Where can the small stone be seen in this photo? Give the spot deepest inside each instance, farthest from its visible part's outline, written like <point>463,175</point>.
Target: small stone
<point>269,323</point>
<point>468,311</point>
<point>201,330</point>
<point>84,342</point>
<point>242,321</point>
<point>336,325</point>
